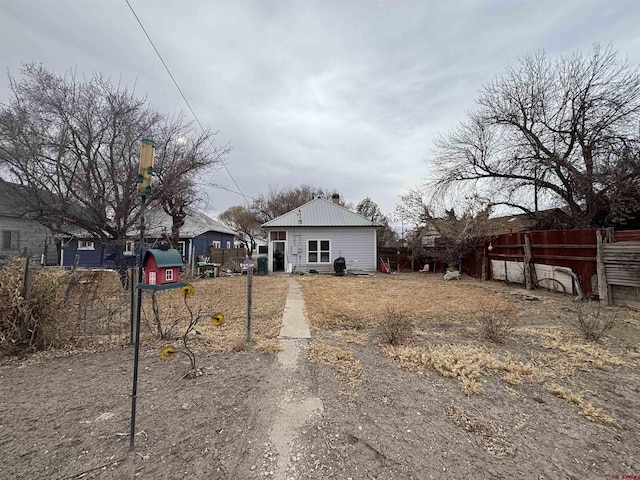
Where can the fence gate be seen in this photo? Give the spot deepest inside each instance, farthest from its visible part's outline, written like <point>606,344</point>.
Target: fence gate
<point>622,270</point>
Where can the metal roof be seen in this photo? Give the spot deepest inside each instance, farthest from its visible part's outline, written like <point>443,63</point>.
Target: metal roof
<point>195,223</point>
<point>164,258</point>
<point>320,213</point>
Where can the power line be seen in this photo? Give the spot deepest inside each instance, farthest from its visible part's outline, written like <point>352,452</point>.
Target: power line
<point>185,99</point>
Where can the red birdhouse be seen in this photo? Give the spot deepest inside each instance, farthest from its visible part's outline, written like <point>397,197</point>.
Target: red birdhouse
<point>161,267</point>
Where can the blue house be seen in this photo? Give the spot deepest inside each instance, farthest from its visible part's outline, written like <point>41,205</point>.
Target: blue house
<point>198,233</point>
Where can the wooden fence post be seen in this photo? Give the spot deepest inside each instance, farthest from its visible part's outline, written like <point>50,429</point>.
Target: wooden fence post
<point>527,263</point>
<point>603,290</point>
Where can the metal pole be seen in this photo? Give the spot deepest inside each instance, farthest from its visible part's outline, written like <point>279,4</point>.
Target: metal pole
<point>249,294</point>
<point>134,392</point>
<point>133,286</point>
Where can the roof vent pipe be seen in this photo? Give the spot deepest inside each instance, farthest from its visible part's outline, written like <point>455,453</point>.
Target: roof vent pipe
<point>335,198</point>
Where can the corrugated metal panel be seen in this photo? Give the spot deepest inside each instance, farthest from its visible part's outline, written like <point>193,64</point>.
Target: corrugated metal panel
<point>548,277</point>
<point>507,271</point>
<point>357,246</point>
<point>552,279</point>
<point>622,263</point>
<point>320,213</point>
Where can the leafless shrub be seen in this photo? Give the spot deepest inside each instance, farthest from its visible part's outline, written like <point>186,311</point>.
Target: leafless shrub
<point>496,328</point>
<point>32,318</point>
<point>593,321</point>
<point>396,328</point>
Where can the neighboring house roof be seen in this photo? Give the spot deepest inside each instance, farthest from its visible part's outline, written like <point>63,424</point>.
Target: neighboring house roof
<point>320,213</point>
<point>196,223</point>
<point>164,258</point>
<point>11,204</point>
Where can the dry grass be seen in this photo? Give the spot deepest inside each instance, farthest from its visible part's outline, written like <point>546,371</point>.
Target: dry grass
<point>338,359</point>
<point>269,345</point>
<point>227,295</point>
<point>355,302</point>
<point>543,345</point>
<point>586,409</point>
<point>466,363</point>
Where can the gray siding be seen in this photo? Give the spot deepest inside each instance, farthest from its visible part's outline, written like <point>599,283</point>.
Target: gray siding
<point>33,236</point>
<point>356,245</point>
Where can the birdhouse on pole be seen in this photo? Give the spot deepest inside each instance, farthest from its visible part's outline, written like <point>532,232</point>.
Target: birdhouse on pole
<point>145,170</point>
<point>162,269</point>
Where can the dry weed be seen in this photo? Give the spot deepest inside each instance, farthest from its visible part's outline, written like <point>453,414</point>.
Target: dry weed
<point>238,343</point>
<point>396,328</point>
<point>496,327</point>
<point>586,408</point>
<point>592,320</point>
<point>340,360</point>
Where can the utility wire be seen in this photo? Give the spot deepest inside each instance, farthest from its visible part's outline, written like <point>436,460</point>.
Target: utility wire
<point>185,100</point>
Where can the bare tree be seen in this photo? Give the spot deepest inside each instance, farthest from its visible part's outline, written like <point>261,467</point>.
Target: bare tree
<point>75,145</point>
<point>370,209</point>
<point>443,233</point>
<point>563,131</point>
<point>244,223</point>
<point>182,159</point>
<point>279,201</point>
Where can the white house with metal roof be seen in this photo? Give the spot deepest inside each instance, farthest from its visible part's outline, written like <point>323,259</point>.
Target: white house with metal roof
<point>315,234</point>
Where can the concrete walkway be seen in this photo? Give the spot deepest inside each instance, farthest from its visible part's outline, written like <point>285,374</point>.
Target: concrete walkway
<point>294,322</point>
<point>297,405</point>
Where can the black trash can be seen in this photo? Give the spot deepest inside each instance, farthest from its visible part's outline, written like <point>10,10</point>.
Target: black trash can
<point>263,265</point>
<point>339,266</point>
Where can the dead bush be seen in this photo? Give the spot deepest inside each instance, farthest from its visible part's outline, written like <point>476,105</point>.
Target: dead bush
<point>496,328</point>
<point>32,316</point>
<point>395,328</point>
<point>592,320</point>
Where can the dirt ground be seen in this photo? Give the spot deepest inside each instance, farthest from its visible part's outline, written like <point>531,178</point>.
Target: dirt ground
<point>545,404</point>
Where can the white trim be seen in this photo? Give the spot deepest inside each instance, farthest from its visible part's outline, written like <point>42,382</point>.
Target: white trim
<point>88,245</point>
<point>168,275</point>
<point>319,251</point>
<point>129,248</point>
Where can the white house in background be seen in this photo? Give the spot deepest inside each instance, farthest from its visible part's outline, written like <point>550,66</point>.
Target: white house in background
<point>313,235</point>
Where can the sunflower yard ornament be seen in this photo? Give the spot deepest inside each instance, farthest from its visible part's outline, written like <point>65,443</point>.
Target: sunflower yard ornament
<point>169,352</point>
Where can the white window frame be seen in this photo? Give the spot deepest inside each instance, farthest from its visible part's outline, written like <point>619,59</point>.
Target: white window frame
<point>86,245</point>
<point>182,248</point>
<point>228,243</point>
<point>168,274</point>
<point>216,244</point>
<point>129,248</point>
<point>319,251</point>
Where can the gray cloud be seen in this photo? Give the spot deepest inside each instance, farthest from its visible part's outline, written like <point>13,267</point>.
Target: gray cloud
<point>345,95</point>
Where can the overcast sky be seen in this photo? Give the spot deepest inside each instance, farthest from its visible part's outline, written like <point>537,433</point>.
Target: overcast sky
<point>336,94</point>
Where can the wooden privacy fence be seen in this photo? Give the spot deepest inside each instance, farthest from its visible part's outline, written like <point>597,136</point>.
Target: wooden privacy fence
<point>563,260</point>
<point>597,262</point>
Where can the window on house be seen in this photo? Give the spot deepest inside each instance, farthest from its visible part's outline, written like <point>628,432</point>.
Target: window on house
<point>169,275</point>
<point>215,244</point>
<point>86,245</point>
<point>182,248</point>
<point>10,240</point>
<point>129,248</point>
<point>263,250</point>
<point>228,243</point>
<point>319,251</point>
<point>280,235</point>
